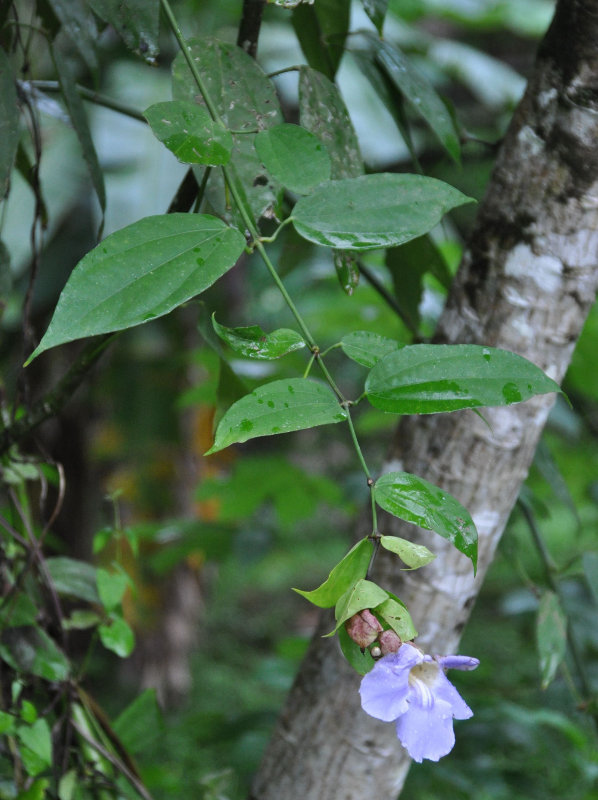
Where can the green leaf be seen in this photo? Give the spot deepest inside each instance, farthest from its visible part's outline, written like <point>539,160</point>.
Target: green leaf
<point>253,342</point>
<point>323,112</point>
<point>394,613</point>
<point>141,272</point>
<point>374,211</point>
<point>111,587</point>
<point>37,790</point>
<point>28,712</point>
<point>117,636</point>
<point>551,636</point>
<point>81,620</point>
<point>429,378</point>
<point>76,110</point>
<point>246,101</point>
<point>9,123</point>
<point>278,407</point>
<point>347,270</point>
<point>136,21</point>
<point>321,29</point>
<point>38,739</point>
<point>7,722</point>
<point>364,594</point>
<point>346,574</point>
<point>31,650</point>
<point>17,610</point>
<point>141,723</point>
<point>73,578</point>
<point>68,785</point>
<point>420,94</point>
<point>414,555</point>
<point>188,130</point>
<point>376,11</point>
<point>368,348</point>
<point>362,662</point>
<point>590,568</point>
<point>78,24</point>
<point>294,156</point>
<point>415,500</point>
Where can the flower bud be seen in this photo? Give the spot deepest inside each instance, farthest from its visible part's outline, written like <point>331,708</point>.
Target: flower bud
<point>363,628</point>
<point>375,651</point>
<point>389,642</point>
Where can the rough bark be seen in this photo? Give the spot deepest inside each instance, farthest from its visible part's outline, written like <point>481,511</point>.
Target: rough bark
<point>526,284</point>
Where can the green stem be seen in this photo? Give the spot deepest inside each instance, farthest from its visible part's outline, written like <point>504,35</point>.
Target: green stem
<point>364,466</point>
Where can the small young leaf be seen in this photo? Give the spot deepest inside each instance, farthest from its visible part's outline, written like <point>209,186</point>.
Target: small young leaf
<point>394,613</point>
<point>551,635</point>
<point>347,573</point>
<point>365,594</point>
<point>347,270</point>
<point>141,272</point>
<point>429,378</point>
<point>38,739</point>
<point>278,407</point>
<point>253,342</point>
<point>188,130</point>
<point>374,211</point>
<point>81,620</point>
<point>414,555</point>
<point>368,348</point>
<point>362,662</point>
<point>111,587</point>
<point>117,636</point>
<point>7,723</point>
<point>293,156</point>
<point>420,93</point>
<point>415,500</point>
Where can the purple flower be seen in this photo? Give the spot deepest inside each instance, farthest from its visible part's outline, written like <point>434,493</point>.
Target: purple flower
<point>411,688</point>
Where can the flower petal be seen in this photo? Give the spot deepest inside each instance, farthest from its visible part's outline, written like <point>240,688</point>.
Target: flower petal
<point>427,732</point>
<point>385,689</point>
<point>445,693</point>
<point>458,662</point>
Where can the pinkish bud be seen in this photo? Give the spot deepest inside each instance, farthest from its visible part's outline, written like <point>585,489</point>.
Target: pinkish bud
<point>389,642</point>
<point>363,628</point>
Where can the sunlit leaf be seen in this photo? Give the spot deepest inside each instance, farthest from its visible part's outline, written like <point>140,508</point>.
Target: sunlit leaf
<point>188,130</point>
<point>278,407</point>
<point>414,555</point>
<point>364,594</point>
<point>374,211</point>
<point>253,342</point>
<point>415,500</point>
<point>427,378</point>
<point>347,573</point>
<point>142,272</point>
<point>38,739</point>
<point>117,636</point>
<point>294,156</point>
<point>367,348</point>
<point>111,587</point>
<point>551,635</point>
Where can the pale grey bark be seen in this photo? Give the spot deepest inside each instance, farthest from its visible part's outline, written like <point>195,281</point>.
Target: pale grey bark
<point>526,284</point>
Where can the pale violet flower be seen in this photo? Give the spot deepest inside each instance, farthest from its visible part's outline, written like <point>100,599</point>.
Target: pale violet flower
<point>411,689</point>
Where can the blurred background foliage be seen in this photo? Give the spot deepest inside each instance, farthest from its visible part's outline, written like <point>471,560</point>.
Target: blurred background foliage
<point>212,546</point>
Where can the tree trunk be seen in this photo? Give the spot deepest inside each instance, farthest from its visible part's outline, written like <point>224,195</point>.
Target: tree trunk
<point>527,282</point>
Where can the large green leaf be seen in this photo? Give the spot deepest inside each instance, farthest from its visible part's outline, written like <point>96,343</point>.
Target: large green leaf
<point>321,29</point>
<point>347,572</point>
<point>278,407</point>
<point>374,211</point>
<point>9,122</point>
<point>73,578</point>
<point>420,94</point>
<point>428,378</point>
<point>137,21</point>
<point>188,130</point>
<point>551,636</point>
<point>368,348</point>
<point>415,500</point>
<point>364,594</point>
<point>253,342</point>
<point>323,112</point>
<point>141,272</point>
<point>247,102</point>
<point>294,156</point>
